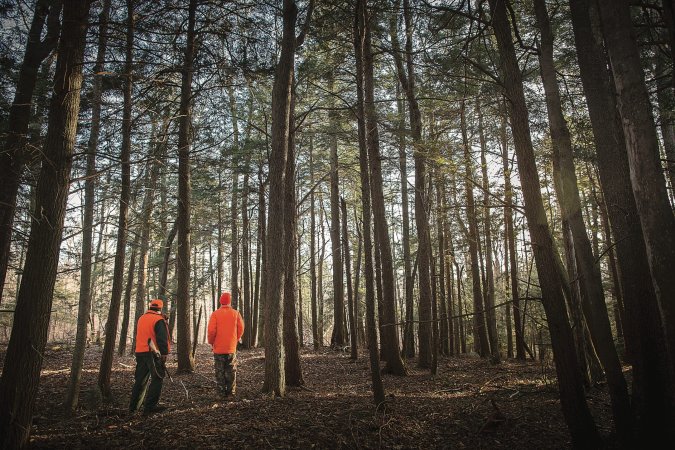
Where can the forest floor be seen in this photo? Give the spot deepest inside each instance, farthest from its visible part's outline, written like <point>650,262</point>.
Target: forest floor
<point>469,404</point>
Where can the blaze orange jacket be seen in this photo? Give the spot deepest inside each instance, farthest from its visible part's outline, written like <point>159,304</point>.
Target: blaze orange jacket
<point>225,328</point>
<point>152,325</point>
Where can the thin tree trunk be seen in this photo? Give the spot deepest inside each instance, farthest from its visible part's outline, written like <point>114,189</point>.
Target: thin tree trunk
<point>124,330</point>
<point>183,336</point>
<point>105,368</point>
<point>85,297</point>
<point>337,340</point>
<point>408,331</point>
<point>441,231</point>
<point>511,243</point>
<point>389,336</point>
<point>262,242</point>
<point>20,379</point>
<point>361,41</point>
<point>490,313</point>
<point>480,337</point>
<point>351,301</point>
<point>291,346</point>
<point>312,251</point>
<point>407,79</point>
<point>573,402</point>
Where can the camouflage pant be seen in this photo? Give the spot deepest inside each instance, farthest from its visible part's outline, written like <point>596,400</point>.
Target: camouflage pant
<point>226,373</point>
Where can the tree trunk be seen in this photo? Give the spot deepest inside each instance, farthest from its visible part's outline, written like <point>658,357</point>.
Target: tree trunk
<point>490,312</point>
<point>275,381</point>
<point>440,231</point>
<point>388,333</point>
<point>183,336</point>
<point>351,301</point>
<point>511,243</point>
<point>105,368</point>
<point>592,296</point>
<point>652,381</point>
<point>407,79</point>
<point>234,204</point>
<point>361,41</point>
<point>479,330</point>
<point>85,298</point>
<point>291,347</point>
<point>649,188</point>
<point>124,330</point>
<point>15,154</point>
<point>20,379</point>
<point>312,251</point>
<point>262,241</point>
<point>574,406</point>
<point>146,213</point>
<point>337,340</point>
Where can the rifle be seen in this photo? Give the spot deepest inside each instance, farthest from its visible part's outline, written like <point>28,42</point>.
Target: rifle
<point>160,367</point>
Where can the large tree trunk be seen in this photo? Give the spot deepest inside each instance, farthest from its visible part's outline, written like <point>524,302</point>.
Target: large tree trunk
<point>338,339</point>
<point>652,381</point>
<point>124,329</point>
<point>183,336</point>
<point>73,392</point>
<point>275,380</point>
<point>490,312</point>
<point>122,231</point>
<point>15,155</point>
<point>480,337</point>
<point>574,406</point>
<point>649,187</point>
<point>390,345</point>
<point>20,379</point>
<point>360,42</point>
<point>592,296</point>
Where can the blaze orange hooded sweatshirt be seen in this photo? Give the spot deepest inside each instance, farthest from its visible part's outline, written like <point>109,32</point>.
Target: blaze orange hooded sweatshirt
<point>225,327</point>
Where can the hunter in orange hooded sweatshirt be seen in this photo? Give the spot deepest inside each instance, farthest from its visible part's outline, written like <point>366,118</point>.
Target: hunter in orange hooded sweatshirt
<point>225,329</point>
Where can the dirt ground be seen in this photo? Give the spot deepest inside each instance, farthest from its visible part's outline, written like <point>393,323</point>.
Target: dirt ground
<point>469,404</point>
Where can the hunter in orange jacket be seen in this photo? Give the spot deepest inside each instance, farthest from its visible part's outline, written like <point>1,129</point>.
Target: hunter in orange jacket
<point>225,327</point>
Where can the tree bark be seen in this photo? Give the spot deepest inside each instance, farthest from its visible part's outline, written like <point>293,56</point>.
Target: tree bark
<point>20,379</point>
<point>592,296</point>
<point>105,368</point>
<point>490,311</point>
<point>361,41</point>
<point>183,336</point>
<point>351,301</point>
<point>388,333</point>
<point>293,366</point>
<point>643,331</point>
<point>275,380</point>
<point>574,406</point>
<point>85,297</point>
<point>480,336</point>
<point>15,154</point>
<point>338,339</point>
<point>511,243</point>
<point>312,251</point>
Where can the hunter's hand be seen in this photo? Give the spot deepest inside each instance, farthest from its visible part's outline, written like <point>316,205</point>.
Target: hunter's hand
<point>164,358</point>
